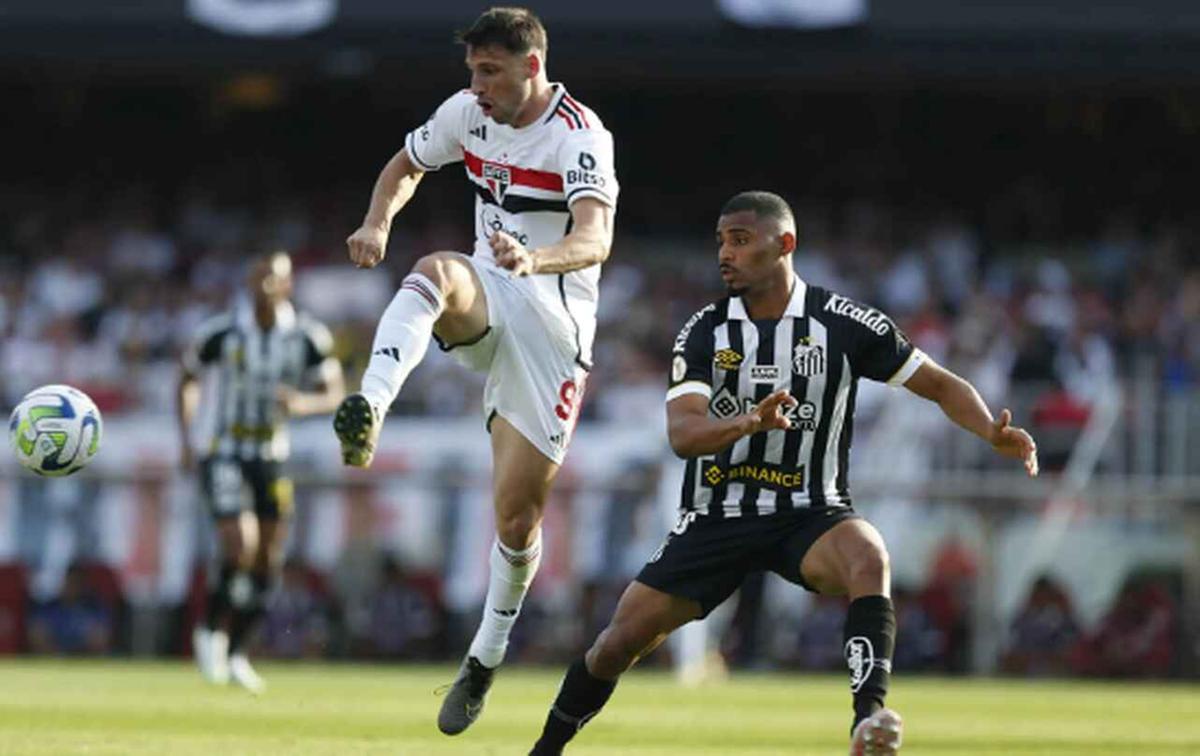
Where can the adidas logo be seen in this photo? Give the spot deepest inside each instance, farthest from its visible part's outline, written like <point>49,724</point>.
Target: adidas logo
<point>479,132</point>
<point>392,352</point>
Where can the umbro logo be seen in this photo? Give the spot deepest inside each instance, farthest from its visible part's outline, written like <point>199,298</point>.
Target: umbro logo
<point>392,352</point>
<point>505,612</point>
<point>479,132</point>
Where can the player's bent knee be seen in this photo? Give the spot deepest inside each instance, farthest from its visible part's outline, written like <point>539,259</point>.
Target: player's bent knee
<point>615,651</point>
<point>870,566</point>
<point>518,530</point>
<point>445,269</point>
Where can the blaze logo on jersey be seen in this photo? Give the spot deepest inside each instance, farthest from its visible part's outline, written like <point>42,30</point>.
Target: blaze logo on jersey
<point>498,178</point>
<point>808,359</point>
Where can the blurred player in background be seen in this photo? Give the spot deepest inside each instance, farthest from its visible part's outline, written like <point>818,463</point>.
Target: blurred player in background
<point>761,405</point>
<point>269,363</point>
<point>522,307</point>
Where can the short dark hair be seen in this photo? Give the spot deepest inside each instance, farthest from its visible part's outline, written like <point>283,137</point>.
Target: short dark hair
<point>764,204</point>
<point>517,30</point>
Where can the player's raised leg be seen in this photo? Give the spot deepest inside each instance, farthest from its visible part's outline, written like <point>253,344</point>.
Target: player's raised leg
<point>521,483</point>
<point>644,618</point>
<point>851,559</point>
<point>442,294</point>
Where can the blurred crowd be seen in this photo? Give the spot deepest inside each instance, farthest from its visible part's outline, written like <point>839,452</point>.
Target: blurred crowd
<point>399,614</point>
<point>98,292</point>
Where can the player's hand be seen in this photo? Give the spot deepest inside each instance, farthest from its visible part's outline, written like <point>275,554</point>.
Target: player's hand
<point>768,414</point>
<point>289,401</point>
<point>367,246</point>
<point>511,254</point>
<point>1014,442</point>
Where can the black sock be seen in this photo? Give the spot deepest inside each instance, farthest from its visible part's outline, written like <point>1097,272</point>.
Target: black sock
<point>218,599</point>
<point>579,699</point>
<point>245,617</point>
<point>870,638</point>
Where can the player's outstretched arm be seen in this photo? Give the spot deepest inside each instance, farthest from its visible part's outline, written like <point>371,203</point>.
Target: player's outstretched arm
<point>962,404</point>
<point>588,243</point>
<point>694,433</point>
<point>395,186</point>
<point>327,394</point>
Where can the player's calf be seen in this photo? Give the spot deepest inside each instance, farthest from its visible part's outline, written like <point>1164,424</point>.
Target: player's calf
<point>580,698</point>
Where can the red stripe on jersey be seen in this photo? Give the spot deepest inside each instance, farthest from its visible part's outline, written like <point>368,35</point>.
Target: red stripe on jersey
<point>570,123</point>
<point>530,177</point>
<point>578,110</point>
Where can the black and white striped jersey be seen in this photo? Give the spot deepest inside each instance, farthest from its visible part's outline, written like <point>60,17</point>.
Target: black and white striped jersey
<point>240,416</point>
<point>818,350</point>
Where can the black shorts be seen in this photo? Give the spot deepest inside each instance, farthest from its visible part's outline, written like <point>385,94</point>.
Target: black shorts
<point>230,486</point>
<point>706,559</point>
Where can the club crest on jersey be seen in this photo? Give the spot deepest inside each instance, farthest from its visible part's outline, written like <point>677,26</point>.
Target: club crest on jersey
<point>808,359</point>
<point>498,178</point>
<point>727,359</point>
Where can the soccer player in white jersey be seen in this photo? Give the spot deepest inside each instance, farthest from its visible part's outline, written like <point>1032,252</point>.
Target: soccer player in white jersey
<point>522,307</point>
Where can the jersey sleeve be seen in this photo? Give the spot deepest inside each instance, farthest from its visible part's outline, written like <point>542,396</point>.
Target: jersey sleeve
<point>586,160</point>
<point>318,343</point>
<point>439,140</point>
<point>882,351</point>
<point>691,359</point>
<point>205,348</point>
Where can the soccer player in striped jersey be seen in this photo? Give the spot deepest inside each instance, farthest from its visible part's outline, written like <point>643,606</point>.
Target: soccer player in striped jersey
<point>761,404</point>
<point>267,363</point>
<point>522,307</point>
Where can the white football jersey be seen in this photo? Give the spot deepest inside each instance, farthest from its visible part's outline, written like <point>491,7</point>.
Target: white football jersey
<point>525,181</point>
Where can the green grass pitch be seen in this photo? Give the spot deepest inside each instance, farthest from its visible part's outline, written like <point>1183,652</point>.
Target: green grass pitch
<point>126,707</point>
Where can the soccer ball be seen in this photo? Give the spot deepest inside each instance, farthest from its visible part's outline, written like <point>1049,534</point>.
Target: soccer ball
<point>55,430</point>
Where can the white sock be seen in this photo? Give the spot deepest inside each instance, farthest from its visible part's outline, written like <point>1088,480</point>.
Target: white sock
<point>401,339</point>
<point>511,574</point>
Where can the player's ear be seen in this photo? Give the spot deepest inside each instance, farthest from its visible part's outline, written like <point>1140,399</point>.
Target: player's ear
<point>787,243</point>
<point>534,64</point>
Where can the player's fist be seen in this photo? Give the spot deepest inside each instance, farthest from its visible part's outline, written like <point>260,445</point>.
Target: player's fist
<point>769,413</point>
<point>1011,441</point>
<point>511,254</point>
<point>367,246</point>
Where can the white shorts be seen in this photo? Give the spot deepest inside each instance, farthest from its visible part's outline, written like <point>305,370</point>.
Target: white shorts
<point>535,379</point>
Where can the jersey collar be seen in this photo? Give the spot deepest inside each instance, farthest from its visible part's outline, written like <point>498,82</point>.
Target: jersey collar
<point>794,309</point>
<point>559,93</point>
<point>285,315</point>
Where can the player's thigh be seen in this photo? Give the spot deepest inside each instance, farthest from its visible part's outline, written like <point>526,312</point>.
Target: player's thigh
<point>465,317</point>
<point>645,616</point>
<point>522,476</point>
<point>842,554</point>
<point>274,499</point>
<point>223,488</point>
